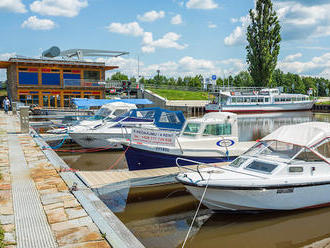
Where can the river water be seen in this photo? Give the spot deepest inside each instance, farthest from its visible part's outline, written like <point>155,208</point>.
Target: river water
<point>160,215</point>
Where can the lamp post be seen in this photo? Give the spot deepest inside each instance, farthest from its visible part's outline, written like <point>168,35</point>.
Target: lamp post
<point>158,71</point>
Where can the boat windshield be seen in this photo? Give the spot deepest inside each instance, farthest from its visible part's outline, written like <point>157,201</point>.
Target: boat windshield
<point>101,114</point>
<point>191,129</point>
<point>275,149</point>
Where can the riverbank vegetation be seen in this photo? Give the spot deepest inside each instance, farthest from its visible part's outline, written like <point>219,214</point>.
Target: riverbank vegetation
<point>180,94</point>
<point>289,81</point>
<point>2,236</point>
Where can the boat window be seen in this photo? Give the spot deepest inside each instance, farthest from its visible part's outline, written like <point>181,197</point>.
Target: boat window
<point>233,100</point>
<point>267,99</point>
<point>261,166</point>
<point>296,169</point>
<point>238,162</point>
<point>274,148</point>
<point>101,114</point>
<point>169,118</point>
<point>324,149</point>
<point>119,112</point>
<point>253,99</point>
<point>239,99</point>
<point>147,114</point>
<point>308,156</point>
<point>260,99</point>
<point>192,129</point>
<point>217,129</point>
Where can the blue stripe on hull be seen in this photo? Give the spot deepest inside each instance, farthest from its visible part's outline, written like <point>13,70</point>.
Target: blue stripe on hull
<point>138,159</point>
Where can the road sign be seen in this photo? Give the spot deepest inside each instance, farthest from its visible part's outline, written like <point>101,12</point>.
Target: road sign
<point>214,77</point>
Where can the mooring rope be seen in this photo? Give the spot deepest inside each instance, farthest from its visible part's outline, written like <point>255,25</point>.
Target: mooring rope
<point>199,205</point>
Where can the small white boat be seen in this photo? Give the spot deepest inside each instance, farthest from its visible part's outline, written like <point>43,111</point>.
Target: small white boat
<point>288,169</point>
<point>105,113</point>
<point>210,139</point>
<point>265,100</point>
<point>109,134</point>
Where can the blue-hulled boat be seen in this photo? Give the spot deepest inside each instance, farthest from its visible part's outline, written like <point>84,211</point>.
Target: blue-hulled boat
<point>210,139</point>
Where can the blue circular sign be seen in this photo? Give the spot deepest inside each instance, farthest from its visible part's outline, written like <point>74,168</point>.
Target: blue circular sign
<point>214,77</point>
<point>225,143</point>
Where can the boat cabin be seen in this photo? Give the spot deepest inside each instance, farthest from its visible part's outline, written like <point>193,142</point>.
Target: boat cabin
<point>212,124</point>
<point>290,151</point>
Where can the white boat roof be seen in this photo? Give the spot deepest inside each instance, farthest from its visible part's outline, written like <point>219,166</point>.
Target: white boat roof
<point>113,105</point>
<point>303,134</point>
<point>215,116</point>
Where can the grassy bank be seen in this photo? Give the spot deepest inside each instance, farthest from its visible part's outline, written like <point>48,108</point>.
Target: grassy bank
<point>323,103</point>
<point>180,94</point>
<point>2,236</point>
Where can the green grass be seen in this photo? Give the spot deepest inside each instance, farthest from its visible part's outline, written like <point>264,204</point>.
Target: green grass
<point>323,103</point>
<point>3,92</point>
<point>180,94</point>
<point>2,236</point>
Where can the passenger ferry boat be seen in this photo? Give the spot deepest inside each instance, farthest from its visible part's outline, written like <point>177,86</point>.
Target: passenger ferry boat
<point>265,100</point>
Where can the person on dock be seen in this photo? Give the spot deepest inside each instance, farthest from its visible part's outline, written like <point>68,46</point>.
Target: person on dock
<point>6,104</point>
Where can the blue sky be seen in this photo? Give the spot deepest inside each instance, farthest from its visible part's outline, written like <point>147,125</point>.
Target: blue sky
<point>177,37</point>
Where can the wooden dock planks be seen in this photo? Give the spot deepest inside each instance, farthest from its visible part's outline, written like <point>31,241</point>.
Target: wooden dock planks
<point>96,179</point>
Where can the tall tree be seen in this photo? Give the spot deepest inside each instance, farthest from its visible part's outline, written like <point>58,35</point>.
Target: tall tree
<point>263,36</point>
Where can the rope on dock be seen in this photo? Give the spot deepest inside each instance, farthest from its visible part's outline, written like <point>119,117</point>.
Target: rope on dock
<point>199,205</point>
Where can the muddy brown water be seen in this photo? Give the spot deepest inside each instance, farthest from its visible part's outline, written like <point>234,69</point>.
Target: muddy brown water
<point>160,215</point>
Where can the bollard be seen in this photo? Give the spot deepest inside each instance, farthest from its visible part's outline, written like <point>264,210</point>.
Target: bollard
<point>14,108</point>
<point>24,118</point>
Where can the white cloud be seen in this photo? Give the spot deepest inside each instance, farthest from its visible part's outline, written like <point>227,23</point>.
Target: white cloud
<point>238,35</point>
<point>185,66</point>
<point>176,19</point>
<point>151,16</point>
<point>132,28</point>
<point>201,4</point>
<point>317,66</point>
<point>292,57</point>
<point>298,21</point>
<point>211,25</point>
<point>6,56</point>
<point>67,8</point>
<point>13,6</point>
<point>38,24</point>
<point>169,40</point>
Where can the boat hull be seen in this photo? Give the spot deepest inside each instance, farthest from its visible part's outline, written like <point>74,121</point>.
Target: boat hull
<point>96,141</point>
<point>222,199</point>
<point>255,108</point>
<point>138,159</point>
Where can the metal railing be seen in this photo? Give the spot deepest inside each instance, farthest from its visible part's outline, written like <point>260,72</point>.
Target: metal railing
<point>83,83</point>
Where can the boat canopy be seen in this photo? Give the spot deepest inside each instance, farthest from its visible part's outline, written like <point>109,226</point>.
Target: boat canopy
<point>83,103</point>
<point>162,118</point>
<point>303,134</point>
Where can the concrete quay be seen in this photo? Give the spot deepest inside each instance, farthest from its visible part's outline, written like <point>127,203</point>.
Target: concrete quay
<point>37,208</point>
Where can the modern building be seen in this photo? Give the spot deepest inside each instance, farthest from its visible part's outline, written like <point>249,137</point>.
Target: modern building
<point>52,82</point>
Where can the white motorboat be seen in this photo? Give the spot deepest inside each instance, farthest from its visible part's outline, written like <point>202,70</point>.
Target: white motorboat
<point>109,134</point>
<point>210,139</point>
<point>107,112</point>
<point>265,100</point>
<point>288,169</point>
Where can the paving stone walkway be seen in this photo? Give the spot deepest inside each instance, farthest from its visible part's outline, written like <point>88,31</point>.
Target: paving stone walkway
<point>36,207</point>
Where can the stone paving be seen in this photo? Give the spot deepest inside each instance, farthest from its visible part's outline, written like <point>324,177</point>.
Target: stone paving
<point>69,222</point>
<point>6,201</point>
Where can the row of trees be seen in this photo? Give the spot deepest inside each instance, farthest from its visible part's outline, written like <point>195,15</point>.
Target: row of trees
<point>289,81</point>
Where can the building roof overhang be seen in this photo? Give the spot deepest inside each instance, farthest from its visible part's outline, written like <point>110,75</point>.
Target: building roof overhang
<point>59,63</point>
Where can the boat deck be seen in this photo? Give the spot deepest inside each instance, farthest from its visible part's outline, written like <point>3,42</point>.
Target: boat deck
<point>96,179</point>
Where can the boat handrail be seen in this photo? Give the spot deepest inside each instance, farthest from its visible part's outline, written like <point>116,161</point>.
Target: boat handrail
<point>176,137</point>
<point>187,168</point>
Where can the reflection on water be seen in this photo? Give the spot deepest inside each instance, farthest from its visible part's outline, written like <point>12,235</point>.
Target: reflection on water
<point>256,126</point>
<point>160,216</point>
